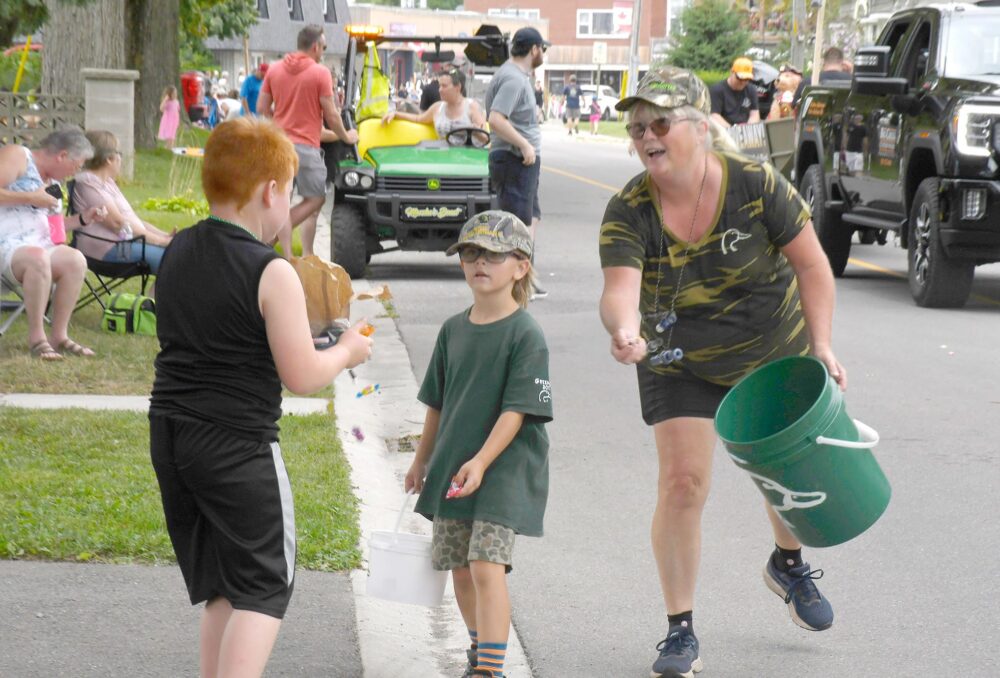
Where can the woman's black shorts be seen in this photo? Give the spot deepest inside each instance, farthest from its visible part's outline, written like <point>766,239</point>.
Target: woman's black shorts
<point>229,512</point>
<point>665,396</point>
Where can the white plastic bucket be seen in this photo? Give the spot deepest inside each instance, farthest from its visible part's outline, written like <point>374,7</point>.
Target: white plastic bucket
<point>399,567</point>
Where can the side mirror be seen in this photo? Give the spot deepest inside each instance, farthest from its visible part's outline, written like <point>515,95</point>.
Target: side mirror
<point>490,50</point>
<point>872,62</point>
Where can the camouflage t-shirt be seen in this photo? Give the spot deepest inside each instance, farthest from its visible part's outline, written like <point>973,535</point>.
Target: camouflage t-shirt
<point>738,305</point>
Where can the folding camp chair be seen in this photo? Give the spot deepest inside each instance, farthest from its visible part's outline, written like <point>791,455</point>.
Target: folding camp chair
<point>12,303</point>
<point>107,274</point>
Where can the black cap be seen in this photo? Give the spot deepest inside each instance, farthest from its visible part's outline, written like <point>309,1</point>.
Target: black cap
<point>529,36</point>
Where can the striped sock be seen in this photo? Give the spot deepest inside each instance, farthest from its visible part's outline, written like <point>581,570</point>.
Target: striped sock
<point>474,637</point>
<point>491,656</point>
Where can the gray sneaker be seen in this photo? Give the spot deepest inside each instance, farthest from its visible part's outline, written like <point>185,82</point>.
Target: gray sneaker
<point>809,608</point>
<point>678,655</point>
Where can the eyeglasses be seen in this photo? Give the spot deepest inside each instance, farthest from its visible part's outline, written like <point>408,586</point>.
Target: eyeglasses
<point>472,254</point>
<point>660,127</point>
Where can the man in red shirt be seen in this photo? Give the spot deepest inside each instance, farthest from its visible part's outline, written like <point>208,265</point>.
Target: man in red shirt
<point>298,93</point>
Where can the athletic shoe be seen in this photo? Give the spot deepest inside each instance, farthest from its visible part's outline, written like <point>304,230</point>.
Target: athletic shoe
<point>538,292</point>
<point>471,665</point>
<point>809,608</point>
<point>678,655</point>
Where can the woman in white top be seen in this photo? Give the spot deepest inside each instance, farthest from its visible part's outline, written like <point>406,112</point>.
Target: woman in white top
<point>452,112</point>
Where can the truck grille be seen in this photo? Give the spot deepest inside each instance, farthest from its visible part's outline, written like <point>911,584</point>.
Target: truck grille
<point>448,184</point>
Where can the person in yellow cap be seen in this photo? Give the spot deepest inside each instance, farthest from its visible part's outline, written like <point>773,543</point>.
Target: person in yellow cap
<point>734,100</point>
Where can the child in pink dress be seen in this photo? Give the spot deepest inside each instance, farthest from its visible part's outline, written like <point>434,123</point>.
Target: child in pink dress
<point>170,108</point>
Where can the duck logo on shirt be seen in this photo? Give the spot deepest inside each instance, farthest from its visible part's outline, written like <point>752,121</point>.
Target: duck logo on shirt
<point>545,390</point>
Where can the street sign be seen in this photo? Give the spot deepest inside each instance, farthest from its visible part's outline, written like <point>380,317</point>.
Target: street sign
<point>600,53</point>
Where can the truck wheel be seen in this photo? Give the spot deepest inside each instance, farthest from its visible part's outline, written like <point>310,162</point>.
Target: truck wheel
<point>868,235</point>
<point>833,235</point>
<point>935,280</point>
<point>347,223</point>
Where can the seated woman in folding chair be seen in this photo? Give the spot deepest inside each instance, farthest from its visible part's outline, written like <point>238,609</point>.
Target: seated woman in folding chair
<point>27,254</point>
<point>96,187</point>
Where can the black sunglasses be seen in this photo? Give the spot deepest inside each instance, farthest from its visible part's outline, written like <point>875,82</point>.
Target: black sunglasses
<point>472,254</point>
<point>660,127</point>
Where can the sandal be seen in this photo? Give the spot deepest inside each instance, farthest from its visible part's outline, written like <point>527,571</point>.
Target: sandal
<point>43,351</point>
<point>73,348</point>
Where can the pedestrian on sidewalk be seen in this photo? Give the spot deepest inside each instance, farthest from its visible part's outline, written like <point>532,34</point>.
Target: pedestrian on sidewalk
<point>298,93</point>
<point>231,320</point>
<point>595,115</point>
<point>515,154</point>
<point>481,466</point>
<point>572,95</point>
<point>711,268</point>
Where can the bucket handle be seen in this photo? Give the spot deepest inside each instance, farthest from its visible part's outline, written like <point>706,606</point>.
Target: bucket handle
<point>402,509</point>
<point>869,434</point>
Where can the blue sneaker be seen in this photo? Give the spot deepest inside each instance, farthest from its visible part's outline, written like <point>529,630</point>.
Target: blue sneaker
<point>809,608</point>
<point>678,655</point>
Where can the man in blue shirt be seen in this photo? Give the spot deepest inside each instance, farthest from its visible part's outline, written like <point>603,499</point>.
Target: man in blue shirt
<point>571,99</point>
<point>251,89</point>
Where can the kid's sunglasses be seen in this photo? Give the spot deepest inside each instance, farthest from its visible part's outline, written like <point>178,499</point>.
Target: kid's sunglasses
<point>472,254</point>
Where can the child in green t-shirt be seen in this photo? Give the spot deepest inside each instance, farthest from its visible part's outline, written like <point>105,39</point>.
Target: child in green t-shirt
<point>482,463</point>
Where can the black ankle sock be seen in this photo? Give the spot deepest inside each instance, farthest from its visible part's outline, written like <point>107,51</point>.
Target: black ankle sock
<point>785,559</point>
<point>680,618</point>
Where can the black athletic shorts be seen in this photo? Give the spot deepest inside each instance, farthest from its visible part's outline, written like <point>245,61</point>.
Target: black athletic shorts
<point>228,506</point>
<point>665,396</point>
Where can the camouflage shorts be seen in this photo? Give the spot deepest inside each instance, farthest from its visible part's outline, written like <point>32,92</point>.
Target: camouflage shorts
<point>456,542</point>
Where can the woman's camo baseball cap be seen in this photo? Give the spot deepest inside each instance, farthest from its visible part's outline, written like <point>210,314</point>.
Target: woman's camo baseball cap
<point>669,87</point>
<point>494,230</point>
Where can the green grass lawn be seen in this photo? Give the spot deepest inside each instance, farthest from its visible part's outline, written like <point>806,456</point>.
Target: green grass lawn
<point>611,128</point>
<point>78,485</point>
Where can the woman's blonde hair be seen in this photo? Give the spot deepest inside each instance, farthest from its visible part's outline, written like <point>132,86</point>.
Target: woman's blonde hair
<point>524,286</point>
<point>718,138</point>
<point>105,147</point>
<point>243,153</point>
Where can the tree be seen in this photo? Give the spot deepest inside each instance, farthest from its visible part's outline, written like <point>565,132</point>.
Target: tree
<point>23,17</point>
<point>709,37</point>
<point>143,35</point>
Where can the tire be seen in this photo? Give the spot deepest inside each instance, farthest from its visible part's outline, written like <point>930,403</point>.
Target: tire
<point>868,235</point>
<point>606,115</point>
<point>833,234</point>
<point>935,280</point>
<point>348,225</point>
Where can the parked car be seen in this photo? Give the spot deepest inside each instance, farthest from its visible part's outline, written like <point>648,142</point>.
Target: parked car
<point>606,97</point>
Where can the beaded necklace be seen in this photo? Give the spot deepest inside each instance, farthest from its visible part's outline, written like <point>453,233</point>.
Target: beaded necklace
<point>230,223</point>
<point>666,321</point>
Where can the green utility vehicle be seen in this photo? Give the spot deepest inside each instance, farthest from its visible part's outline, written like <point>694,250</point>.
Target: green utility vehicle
<point>401,187</point>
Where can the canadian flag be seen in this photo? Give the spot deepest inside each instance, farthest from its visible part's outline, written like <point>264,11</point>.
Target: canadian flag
<point>622,17</point>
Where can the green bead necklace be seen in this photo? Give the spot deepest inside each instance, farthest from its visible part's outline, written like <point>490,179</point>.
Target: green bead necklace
<point>230,223</point>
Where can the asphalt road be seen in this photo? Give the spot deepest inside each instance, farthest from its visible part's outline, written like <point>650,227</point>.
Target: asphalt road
<point>915,595</point>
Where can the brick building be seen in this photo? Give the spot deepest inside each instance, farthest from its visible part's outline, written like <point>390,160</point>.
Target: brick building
<point>576,25</point>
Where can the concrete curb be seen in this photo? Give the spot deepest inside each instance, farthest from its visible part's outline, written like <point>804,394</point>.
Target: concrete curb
<point>433,640</point>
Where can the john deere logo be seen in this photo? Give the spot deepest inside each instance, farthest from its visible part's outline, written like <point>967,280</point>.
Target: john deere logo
<point>433,184</point>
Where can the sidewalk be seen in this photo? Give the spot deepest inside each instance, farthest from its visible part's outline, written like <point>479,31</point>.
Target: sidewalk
<point>95,620</point>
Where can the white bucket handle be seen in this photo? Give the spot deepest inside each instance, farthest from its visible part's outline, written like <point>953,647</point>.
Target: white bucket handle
<point>402,510</point>
<point>869,434</point>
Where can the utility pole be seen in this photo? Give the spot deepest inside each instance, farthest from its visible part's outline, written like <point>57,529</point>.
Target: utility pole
<point>818,45</point>
<point>798,57</point>
<point>633,52</point>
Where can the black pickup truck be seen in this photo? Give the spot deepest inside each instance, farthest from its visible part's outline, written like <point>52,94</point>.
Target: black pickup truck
<point>912,146</point>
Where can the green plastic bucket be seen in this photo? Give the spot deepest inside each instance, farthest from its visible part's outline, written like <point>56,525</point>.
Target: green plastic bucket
<point>785,424</point>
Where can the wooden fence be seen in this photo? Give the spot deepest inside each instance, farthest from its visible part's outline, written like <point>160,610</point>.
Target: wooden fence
<point>26,118</point>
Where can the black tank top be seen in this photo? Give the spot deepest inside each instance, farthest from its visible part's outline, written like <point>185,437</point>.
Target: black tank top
<point>215,364</point>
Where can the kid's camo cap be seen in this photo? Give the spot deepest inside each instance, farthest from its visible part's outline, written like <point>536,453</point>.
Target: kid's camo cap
<point>494,230</point>
<point>669,87</point>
